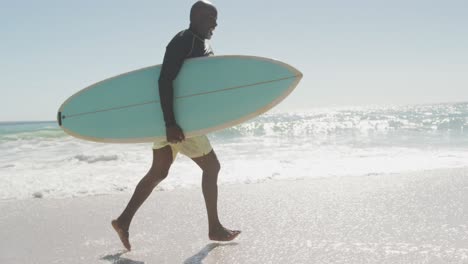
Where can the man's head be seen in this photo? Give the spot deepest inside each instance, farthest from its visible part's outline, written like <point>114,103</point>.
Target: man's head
<point>203,16</point>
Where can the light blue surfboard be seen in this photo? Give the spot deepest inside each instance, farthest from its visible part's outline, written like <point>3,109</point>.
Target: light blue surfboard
<point>210,93</point>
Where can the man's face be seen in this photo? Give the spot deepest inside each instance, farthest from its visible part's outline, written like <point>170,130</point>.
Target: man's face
<point>207,22</point>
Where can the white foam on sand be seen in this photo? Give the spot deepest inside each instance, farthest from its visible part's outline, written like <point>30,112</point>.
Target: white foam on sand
<point>419,217</point>
<point>69,167</point>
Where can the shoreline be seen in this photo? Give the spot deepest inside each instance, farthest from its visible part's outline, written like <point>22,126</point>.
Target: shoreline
<point>418,217</point>
<point>40,195</point>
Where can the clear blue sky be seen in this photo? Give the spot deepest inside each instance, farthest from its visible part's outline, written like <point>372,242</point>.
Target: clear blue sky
<point>351,52</point>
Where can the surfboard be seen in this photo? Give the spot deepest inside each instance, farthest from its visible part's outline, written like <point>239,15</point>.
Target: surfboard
<point>210,94</point>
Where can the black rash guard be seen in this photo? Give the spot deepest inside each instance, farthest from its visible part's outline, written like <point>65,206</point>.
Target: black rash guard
<point>186,44</point>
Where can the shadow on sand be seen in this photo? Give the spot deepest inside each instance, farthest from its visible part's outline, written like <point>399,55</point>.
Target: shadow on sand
<point>197,258</point>
<point>117,259</point>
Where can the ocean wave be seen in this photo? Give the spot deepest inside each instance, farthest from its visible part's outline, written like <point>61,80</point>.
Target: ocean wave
<point>36,134</point>
<point>95,159</point>
<point>357,121</point>
<point>275,146</point>
<point>350,121</point>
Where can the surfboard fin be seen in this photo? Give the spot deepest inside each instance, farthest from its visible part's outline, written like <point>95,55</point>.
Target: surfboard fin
<point>59,118</point>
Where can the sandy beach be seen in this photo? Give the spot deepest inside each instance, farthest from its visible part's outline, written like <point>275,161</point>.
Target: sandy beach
<point>341,130</point>
<point>419,217</point>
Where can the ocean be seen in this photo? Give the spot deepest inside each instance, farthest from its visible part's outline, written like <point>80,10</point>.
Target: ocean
<point>38,160</point>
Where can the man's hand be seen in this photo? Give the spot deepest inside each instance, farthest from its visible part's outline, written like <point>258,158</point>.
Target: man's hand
<point>174,134</point>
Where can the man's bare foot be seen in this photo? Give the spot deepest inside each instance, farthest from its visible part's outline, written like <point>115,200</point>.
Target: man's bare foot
<point>223,234</point>
<point>123,234</point>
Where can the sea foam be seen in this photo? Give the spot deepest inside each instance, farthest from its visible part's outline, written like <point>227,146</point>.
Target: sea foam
<point>38,160</point>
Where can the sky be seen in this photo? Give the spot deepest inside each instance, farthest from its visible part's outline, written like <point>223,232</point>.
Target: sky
<point>357,52</point>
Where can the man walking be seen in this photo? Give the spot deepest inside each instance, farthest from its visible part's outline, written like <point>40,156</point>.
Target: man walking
<point>189,43</point>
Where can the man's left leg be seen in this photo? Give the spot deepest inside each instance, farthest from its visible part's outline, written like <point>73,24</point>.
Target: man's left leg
<point>210,166</point>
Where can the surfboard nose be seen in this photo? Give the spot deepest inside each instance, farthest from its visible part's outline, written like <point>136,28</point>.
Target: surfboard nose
<point>298,73</point>
<point>294,71</point>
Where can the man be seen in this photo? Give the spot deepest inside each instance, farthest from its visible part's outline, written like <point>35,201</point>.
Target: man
<point>186,44</point>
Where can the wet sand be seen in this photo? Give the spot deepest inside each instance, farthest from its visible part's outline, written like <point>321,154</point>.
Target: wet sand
<point>418,217</point>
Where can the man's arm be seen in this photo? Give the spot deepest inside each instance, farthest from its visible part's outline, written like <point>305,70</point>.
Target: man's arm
<point>173,61</point>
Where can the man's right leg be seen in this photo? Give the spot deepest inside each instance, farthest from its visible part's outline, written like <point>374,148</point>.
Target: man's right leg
<point>162,160</point>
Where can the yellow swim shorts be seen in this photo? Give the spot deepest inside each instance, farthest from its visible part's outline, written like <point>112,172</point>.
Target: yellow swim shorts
<point>193,147</point>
